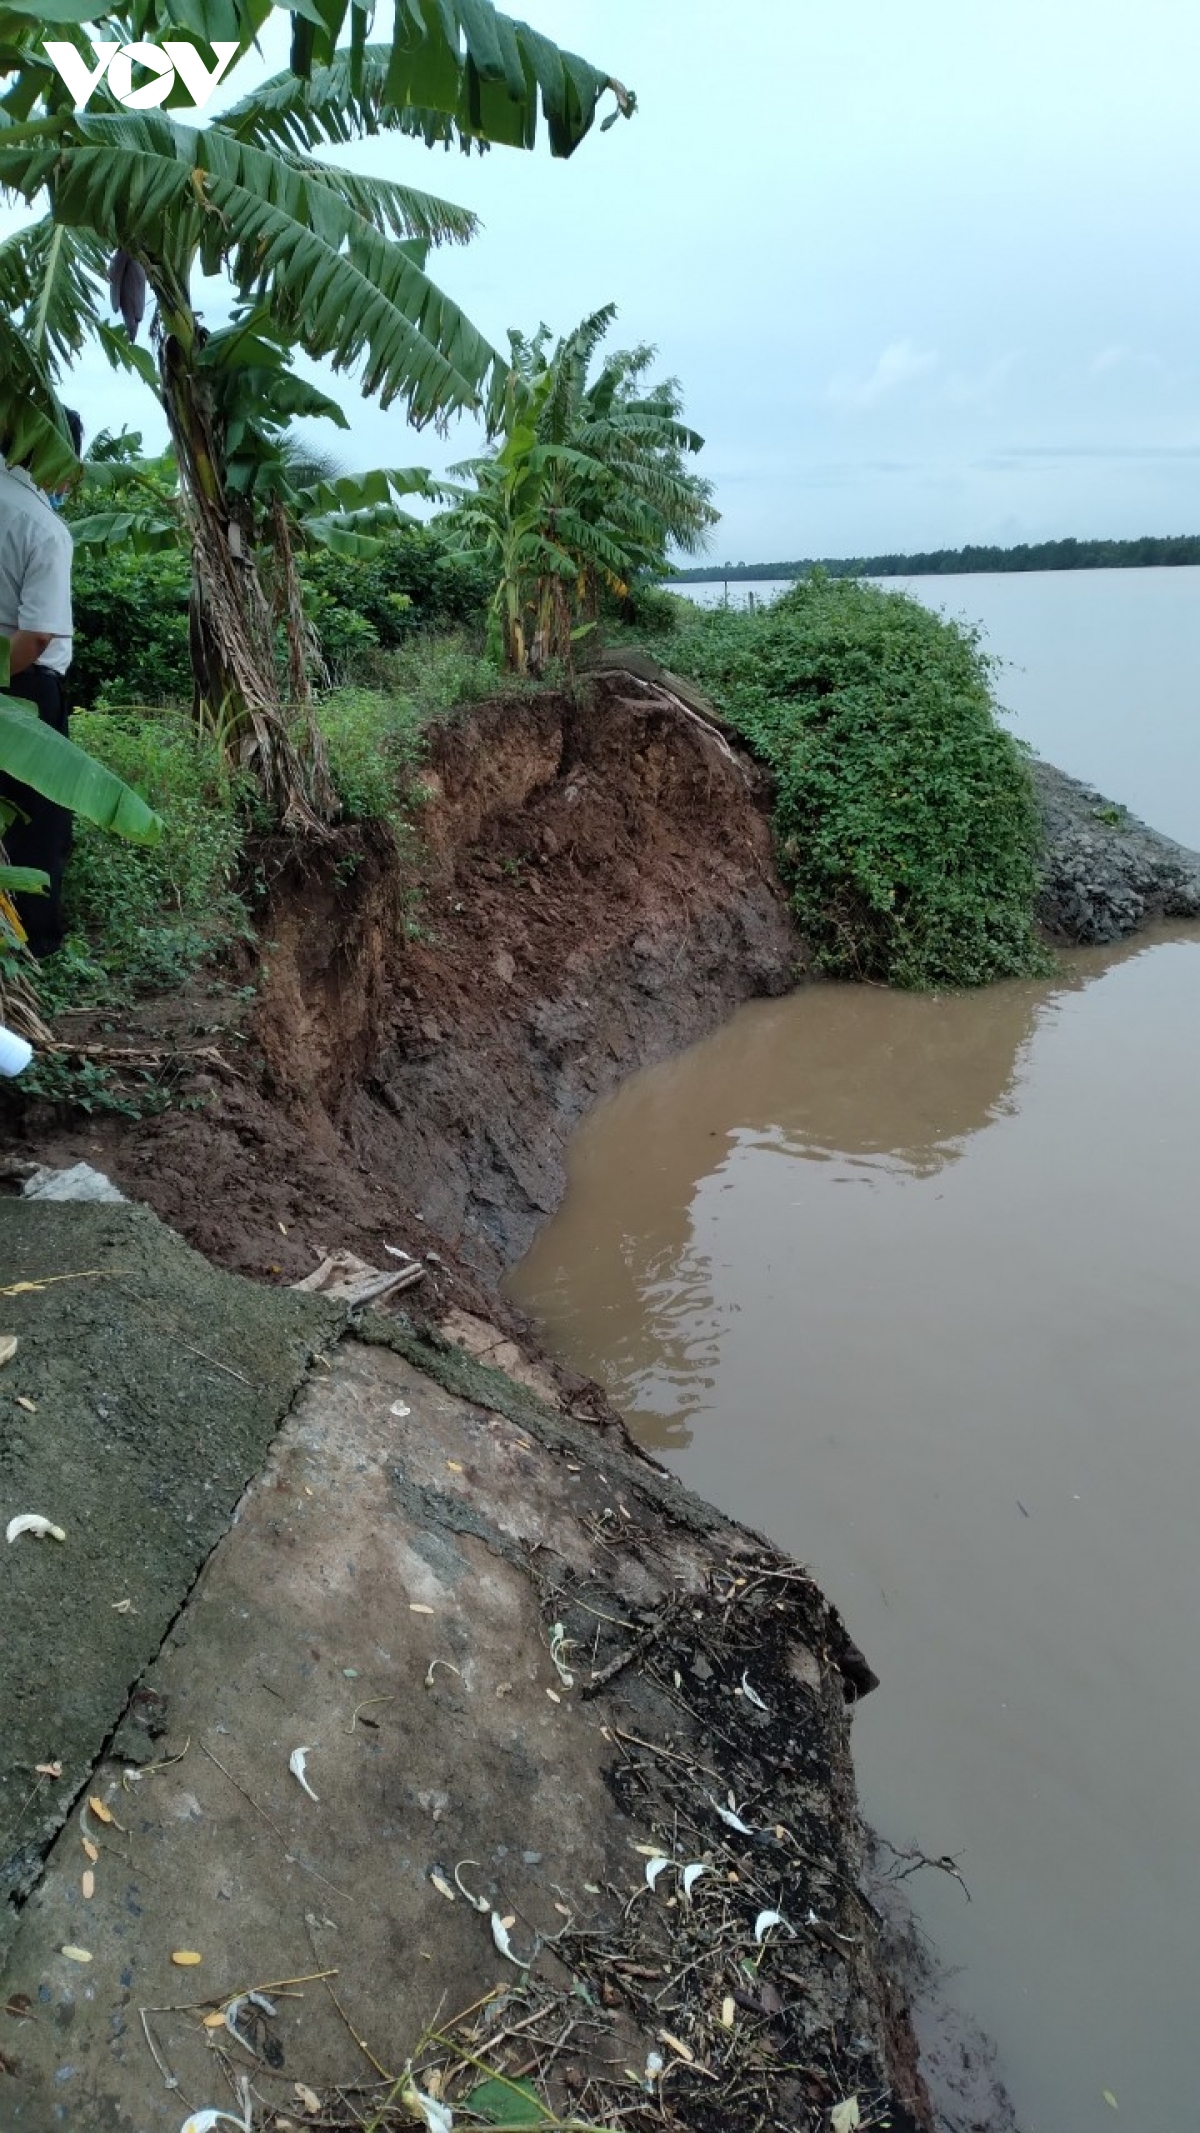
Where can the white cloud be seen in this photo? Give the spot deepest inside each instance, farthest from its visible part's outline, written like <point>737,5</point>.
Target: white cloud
<point>900,364</point>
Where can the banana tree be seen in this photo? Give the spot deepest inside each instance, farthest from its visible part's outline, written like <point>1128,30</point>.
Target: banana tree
<point>589,488</point>
<point>317,254</point>
<point>286,505</point>
<point>456,70</point>
<point>336,262</point>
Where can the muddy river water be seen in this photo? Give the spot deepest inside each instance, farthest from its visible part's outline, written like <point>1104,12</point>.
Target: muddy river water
<point>912,1284</point>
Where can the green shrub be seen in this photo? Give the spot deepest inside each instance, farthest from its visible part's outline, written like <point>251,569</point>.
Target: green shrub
<point>142,918</point>
<point>438,672</point>
<point>655,612</point>
<point>375,735</point>
<point>131,612</point>
<point>411,585</point>
<point>131,629</point>
<point>907,826</point>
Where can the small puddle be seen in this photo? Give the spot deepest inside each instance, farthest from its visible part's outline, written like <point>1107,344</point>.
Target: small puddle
<point>912,1284</point>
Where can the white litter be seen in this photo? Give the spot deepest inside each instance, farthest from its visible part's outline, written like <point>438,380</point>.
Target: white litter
<point>654,2066</point>
<point>232,2011</point>
<point>559,1643</point>
<point>752,1695</point>
<point>691,1875</point>
<point>439,2118</point>
<point>477,1903</point>
<point>41,1528</point>
<point>764,1922</point>
<point>500,1936</point>
<point>80,1182</point>
<point>296,1764</point>
<point>656,1866</point>
<point>731,1820</point>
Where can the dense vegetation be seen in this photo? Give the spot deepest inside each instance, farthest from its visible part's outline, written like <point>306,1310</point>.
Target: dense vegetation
<point>906,819</point>
<point>131,612</point>
<point>264,642</point>
<point>1151,551</point>
<point>129,212</point>
<point>132,211</point>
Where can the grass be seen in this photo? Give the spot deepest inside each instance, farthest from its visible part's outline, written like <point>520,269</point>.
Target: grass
<point>140,918</point>
<point>147,920</point>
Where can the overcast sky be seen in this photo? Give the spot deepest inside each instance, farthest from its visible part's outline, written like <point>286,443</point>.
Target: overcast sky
<point>928,271</point>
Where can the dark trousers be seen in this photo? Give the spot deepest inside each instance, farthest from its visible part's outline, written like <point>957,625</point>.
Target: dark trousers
<point>44,839</point>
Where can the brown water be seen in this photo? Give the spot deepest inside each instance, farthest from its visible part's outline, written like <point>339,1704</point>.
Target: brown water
<point>912,1283</point>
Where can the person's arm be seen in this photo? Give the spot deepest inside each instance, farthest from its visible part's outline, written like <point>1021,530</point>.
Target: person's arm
<point>25,647</point>
<point>44,603</point>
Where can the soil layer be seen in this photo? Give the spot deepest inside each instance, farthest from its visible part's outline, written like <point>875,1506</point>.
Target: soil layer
<point>594,889</point>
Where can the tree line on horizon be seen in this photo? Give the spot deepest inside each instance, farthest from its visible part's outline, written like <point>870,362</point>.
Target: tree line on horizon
<point>1151,551</point>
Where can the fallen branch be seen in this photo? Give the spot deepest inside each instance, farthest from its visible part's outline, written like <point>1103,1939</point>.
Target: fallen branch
<point>137,1056</point>
<point>676,703</point>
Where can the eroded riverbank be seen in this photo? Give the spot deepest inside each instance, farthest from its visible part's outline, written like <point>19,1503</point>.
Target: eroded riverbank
<point>909,1282</point>
<point>598,890</point>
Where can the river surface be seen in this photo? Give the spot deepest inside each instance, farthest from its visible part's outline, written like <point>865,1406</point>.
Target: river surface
<point>1101,672</point>
<point>913,1284</point>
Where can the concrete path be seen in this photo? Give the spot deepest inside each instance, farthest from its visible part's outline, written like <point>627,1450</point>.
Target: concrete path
<point>518,1661</point>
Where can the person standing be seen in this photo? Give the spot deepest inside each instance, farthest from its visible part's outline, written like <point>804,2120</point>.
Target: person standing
<point>36,552</point>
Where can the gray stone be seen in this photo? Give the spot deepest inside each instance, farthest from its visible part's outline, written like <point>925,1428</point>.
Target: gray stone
<point>1104,873</point>
<point>80,1182</point>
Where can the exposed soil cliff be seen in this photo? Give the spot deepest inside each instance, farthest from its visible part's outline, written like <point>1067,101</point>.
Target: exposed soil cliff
<point>595,889</point>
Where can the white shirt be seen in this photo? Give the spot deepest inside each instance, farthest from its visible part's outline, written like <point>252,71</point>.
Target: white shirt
<point>36,551</point>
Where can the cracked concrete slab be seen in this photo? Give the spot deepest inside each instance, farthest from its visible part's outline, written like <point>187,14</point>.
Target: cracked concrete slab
<point>513,1653</point>
<point>144,1392</point>
<point>386,1601</point>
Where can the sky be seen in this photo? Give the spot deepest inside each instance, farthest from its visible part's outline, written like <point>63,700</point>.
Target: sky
<point>927,269</point>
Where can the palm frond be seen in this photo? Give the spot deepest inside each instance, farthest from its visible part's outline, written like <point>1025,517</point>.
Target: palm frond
<point>456,70</point>
<point>33,428</point>
<point>288,235</point>
<point>51,279</point>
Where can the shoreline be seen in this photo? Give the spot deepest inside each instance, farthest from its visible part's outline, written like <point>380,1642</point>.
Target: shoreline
<point>600,892</point>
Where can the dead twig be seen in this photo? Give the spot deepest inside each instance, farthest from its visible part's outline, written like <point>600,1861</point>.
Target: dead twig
<point>142,1057</point>
<point>629,1658</point>
<point>915,1859</point>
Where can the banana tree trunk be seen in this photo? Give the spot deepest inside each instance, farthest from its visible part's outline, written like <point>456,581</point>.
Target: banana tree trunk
<point>552,633</point>
<point>232,628</point>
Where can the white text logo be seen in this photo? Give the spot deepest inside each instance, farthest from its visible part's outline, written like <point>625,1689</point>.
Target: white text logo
<point>118,61</point>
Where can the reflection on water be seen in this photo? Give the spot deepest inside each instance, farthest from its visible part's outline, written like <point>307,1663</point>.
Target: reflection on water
<point>911,1283</point>
<point>874,1084</point>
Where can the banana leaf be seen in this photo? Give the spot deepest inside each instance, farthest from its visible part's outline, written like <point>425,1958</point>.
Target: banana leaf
<point>34,754</point>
